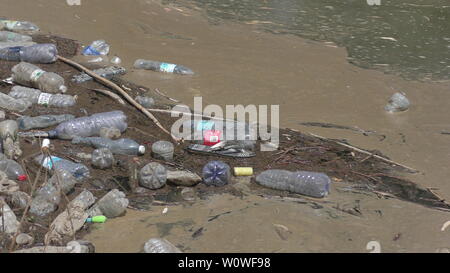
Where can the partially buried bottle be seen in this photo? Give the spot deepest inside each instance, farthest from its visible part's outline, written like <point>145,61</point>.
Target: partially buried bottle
<point>30,75</point>
<point>90,125</point>
<point>37,53</point>
<point>162,67</point>
<point>41,98</point>
<point>43,121</point>
<point>123,146</point>
<point>79,171</point>
<point>12,169</point>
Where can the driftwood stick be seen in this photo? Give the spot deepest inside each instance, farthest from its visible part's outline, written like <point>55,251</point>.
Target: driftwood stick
<point>365,152</point>
<point>121,91</point>
<point>165,96</point>
<point>110,94</point>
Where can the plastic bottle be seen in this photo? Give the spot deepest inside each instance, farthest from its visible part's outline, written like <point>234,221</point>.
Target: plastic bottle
<point>162,67</point>
<point>122,146</point>
<point>89,126</point>
<point>5,55</point>
<point>107,72</point>
<point>231,130</point>
<point>38,53</point>
<point>30,75</point>
<point>41,98</point>
<point>48,196</point>
<point>157,245</point>
<point>20,26</point>
<point>307,183</point>
<point>102,158</point>
<point>79,171</point>
<point>146,102</point>
<point>153,176</point>
<point>99,47</point>
<point>216,173</point>
<point>43,121</point>
<point>163,150</point>
<point>397,103</point>
<point>12,169</point>
<point>8,135</point>
<point>17,105</point>
<point>8,36</point>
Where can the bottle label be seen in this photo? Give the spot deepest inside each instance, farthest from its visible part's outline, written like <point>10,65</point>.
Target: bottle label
<point>165,67</point>
<point>48,163</point>
<point>44,99</point>
<point>10,24</point>
<point>90,51</point>
<point>36,74</point>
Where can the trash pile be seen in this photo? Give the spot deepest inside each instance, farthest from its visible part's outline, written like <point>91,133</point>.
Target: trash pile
<point>74,154</point>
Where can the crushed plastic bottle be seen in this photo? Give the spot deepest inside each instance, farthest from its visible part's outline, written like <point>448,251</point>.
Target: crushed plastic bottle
<point>47,197</point>
<point>102,158</point>
<point>12,169</point>
<point>38,53</point>
<point>145,101</point>
<point>216,173</point>
<point>107,72</point>
<point>163,150</point>
<point>79,171</point>
<point>30,75</point>
<point>157,245</point>
<point>43,121</point>
<point>37,97</point>
<point>307,183</point>
<point>20,26</point>
<point>162,67</point>
<point>8,36</point>
<point>397,103</point>
<point>99,47</point>
<point>9,140</point>
<point>90,125</point>
<point>122,146</point>
<point>17,105</point>
<point>153,176</point>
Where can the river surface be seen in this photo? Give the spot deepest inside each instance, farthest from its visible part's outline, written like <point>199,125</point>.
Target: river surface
<point>321,61</point>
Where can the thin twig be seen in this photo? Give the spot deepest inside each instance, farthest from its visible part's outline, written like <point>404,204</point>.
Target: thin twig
<point>109,93</point>
<point>165,96</point>
<point>122,92</point>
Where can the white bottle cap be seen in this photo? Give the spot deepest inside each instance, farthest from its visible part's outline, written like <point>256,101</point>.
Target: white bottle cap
<point>63,89</point>
<point>45,143</point>
<point>141,149</point>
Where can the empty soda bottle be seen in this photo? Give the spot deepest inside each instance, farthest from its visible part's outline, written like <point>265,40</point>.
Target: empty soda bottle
<point>307,183</point>
<point>43,121</point>
<point>107,72</point>
<point>12,169</point>
<point>162,67</point>
<point>99,47</point>
<point>41,98</point>
<point>8,36</point>
<point>89,126</point>
<point>163,150</point>
<point>216,173</point>
<point>30,75</point>
<point>79,171</point>
<point>153,176</point>
<point>17,105</point>
<point>20,26</point>
<point>102,158</point>
<point>122,146</point>
<point>38,53</point>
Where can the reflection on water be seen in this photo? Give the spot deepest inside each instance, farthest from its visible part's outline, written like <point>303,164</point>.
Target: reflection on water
<point>410,38</point>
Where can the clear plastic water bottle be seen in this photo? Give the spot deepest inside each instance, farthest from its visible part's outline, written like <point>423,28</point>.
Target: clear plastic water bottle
<point>157,245</point>
<point>47,197</point>
<point>397,103</point>
<point>17,105</point>
<point>122,146</point>
<point>9,140</point>
<point>102,158</point>
<point>162,67</point>
<point>145,101</point>
<point>12,169</point>
<point>37,53</point>
<point>216,173</point>
<point>153,176</point>
<point>20,26</point>
<point>30,75</point>
<point>163,150</point>
<point>43,121</point>
<point>8,36</point>
<point>99,47</point>
<point>89,126</point>
<point>79,171</point>
<point>302,182</point>
<point>107,72</point>
<point>41,98</point>
<point>11,55</point>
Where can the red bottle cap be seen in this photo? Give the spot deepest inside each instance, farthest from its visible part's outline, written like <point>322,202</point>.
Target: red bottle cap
<point>22,177</point>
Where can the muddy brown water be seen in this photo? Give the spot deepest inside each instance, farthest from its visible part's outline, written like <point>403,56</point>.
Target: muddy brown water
<point>311,81</point>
